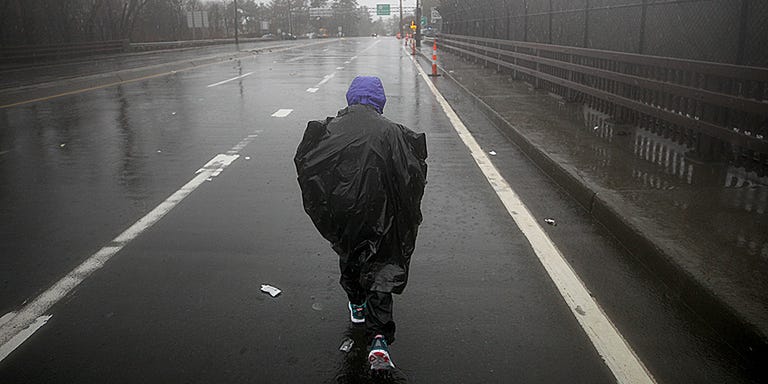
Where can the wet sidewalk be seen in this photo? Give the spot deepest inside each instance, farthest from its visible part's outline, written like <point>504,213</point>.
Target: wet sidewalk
<point>702,226</point>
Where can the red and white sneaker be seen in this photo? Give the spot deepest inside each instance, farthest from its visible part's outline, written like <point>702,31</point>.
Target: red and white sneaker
<point>379,355</point>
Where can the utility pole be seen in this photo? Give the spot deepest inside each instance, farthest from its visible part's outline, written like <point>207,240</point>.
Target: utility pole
<point>290,26</point>
<point>418,24</point>
<point>237,42</point>
<point>401,20</point>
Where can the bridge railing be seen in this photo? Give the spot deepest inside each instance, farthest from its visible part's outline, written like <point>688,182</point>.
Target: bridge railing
<point>40,53</point>
<point>713,108</point>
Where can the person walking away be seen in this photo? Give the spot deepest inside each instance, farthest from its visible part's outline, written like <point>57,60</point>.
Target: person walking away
<point>362,178</point>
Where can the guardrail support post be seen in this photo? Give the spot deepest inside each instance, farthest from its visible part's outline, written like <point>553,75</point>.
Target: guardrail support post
<point>537,83</point>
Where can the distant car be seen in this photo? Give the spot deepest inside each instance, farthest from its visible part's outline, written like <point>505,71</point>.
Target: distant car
<point>268,36</point>
<point>374,35</point>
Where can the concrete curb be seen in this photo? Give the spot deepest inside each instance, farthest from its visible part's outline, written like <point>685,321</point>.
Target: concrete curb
<point>606,208</point>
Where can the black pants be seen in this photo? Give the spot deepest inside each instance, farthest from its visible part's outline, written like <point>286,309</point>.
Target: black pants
<point>378,305</point>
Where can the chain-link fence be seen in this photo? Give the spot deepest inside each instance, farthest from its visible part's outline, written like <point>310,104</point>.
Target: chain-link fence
<point>727,31</point>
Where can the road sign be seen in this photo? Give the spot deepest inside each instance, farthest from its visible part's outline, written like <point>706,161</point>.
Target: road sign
<point>382,9</point>
<point>320,12</point>
<point>435,14</point>
<point>197,19</point>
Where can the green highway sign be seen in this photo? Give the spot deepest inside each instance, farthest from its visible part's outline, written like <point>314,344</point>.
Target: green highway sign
<point>382,9</point>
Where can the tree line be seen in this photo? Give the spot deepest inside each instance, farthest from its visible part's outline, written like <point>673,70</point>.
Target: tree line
<point>37,22</point>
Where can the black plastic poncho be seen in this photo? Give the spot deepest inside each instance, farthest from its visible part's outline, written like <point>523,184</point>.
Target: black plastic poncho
<point>362,178</point>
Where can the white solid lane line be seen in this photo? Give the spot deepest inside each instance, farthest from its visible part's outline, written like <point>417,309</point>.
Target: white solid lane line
<point>7,317</point>
<point>22,336</point>
<point>610,344</point>
<point>16,328</point>
<point>312,90</point>
<point>282,113</point>
<point>228,80</point>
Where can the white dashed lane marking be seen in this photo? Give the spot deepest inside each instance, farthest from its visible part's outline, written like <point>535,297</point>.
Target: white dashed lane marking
<point>228,80</point>
<point>282,112</point>
<point>326,78</point>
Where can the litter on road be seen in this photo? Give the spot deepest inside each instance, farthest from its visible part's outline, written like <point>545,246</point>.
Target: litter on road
<point>492,153</point>
<point>550,221</point>
<point>272,291</point>
<point>346,346</point>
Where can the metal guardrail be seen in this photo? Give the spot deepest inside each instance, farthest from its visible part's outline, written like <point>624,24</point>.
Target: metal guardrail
<point>160,45</point>
<point>715,108</point>
<point>38,53</point>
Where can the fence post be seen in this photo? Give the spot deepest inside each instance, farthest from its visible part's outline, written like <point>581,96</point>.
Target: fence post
<point>506,7</point>
<point>525,30</point>
<point>550,22</point>
<point>644,11</point>
<point>586,25</point>
<point>742,32</point>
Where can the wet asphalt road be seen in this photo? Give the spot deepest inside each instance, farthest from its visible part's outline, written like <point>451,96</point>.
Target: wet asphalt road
<point>181,302</point>
<point>24,76</point>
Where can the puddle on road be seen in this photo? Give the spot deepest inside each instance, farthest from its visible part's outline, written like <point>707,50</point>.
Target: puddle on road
<point>734,190</point>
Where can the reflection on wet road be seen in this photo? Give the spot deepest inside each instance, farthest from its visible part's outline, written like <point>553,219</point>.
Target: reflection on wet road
<point>739,187</point>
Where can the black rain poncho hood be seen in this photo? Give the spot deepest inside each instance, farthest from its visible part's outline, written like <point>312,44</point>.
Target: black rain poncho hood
<point>362,178</point>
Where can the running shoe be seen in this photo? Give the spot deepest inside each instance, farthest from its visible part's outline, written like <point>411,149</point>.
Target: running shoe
<point>357,313</point>
<point>379,355</point>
